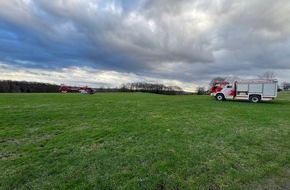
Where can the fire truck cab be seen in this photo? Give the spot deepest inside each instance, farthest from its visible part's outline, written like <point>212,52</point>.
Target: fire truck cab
<point>252,90</point>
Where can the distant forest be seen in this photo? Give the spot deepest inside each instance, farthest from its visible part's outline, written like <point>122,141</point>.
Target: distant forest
<point>151,88</point>
<point>8,86</point>
<point>26,87</point>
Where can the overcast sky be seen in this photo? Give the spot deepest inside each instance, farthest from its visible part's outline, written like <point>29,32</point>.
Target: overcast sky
<point>173,42</point>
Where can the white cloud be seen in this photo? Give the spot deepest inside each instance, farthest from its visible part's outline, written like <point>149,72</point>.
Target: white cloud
<point>84,76</point>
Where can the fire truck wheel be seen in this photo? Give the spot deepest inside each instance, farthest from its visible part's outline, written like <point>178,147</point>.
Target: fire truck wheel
<point>255,99</point>
<point>220,97</point>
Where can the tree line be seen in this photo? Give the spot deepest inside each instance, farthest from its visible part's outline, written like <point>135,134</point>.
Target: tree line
<point>8,86</point>
<point>151,88</point>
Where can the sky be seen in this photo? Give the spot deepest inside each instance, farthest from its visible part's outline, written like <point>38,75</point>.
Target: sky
<point>106,43</point>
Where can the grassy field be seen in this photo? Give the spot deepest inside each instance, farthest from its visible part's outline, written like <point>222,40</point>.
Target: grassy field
<point>143,141</point>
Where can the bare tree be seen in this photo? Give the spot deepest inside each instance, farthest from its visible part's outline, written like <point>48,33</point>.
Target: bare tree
<point>216,79</point>
<point>200,90</point>
<point>285,85</point>
<point>232,79</point>
<point>268,75</point>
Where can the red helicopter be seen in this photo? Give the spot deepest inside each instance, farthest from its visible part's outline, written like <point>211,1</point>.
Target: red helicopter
<point>85,90</point>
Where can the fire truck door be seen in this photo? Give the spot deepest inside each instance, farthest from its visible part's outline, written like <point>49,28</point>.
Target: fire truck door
<point>229,91</point>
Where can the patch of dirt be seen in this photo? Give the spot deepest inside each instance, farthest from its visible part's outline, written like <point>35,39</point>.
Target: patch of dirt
<point>6,155</point>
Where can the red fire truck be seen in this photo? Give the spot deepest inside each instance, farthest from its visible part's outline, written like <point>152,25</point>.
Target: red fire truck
<point>254,90</point>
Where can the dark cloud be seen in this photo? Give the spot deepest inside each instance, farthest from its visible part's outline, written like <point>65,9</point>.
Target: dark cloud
<point>166,39</point>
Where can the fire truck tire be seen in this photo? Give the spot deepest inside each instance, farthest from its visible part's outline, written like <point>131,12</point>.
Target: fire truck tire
<point>255,99</point>
<point>220,97</point>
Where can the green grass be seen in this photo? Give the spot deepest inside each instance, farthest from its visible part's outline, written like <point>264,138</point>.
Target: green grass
<point>142,141</point>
